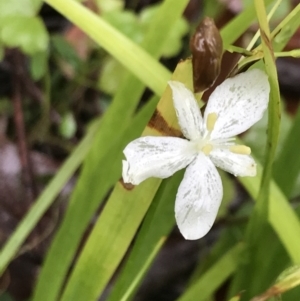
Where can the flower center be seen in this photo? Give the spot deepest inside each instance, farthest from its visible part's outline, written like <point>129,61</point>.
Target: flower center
<point>206,145</point>
<point>206,149</point>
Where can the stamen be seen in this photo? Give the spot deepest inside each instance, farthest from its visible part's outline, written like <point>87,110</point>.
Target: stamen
<point>211,121</point>
<point>206,149</point>
<point>240,149</point>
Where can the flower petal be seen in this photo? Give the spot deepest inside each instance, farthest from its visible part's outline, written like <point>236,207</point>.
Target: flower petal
<point>238,165</point>
<point>239,102</point>
<point>198,198</point>
<point>158,157</point>
<point>187,110</point>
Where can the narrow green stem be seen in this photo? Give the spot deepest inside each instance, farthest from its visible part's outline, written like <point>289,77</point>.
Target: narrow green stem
<point>257,34</point>
<point>284,24</point>
<point>260,215</point>
<point>240,50</point>
<point>291,53</point>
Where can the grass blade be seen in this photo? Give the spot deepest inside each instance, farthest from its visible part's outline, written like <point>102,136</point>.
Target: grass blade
<point>76,219</point>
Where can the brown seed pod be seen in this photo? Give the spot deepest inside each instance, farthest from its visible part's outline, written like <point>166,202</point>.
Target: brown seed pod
<point>206,46</point>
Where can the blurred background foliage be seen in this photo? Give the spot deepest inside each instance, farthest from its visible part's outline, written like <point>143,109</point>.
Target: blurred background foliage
<point>66,100</point>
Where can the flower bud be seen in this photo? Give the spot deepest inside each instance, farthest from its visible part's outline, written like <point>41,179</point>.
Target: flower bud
<point>206,47</point>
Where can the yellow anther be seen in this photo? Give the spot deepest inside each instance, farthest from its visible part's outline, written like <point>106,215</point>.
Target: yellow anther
<point>207,149</point>
<point>211,121</point>
<point>240,149</point>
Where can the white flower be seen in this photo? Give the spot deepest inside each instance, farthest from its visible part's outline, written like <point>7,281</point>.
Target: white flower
<point>233,107</point>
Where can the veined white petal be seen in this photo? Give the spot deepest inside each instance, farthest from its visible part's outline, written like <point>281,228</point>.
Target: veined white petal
<point>158,157</point>
<point>198,198</point>
<point>238,165</point>
<point>187,110</point>
<point>239,103</point>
